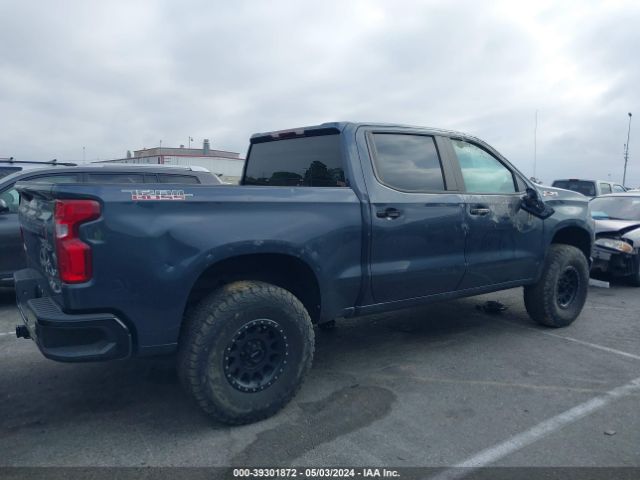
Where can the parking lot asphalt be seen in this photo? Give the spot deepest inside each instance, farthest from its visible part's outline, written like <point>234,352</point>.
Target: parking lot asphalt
<point>441,385</point>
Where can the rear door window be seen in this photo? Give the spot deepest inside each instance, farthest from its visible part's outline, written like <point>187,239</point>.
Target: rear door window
<point>409,163</point>
<point>71,178</point>
<point>618,188</point>
<point>164,178</point>
<point>115,178</point>
<point>297,162</point>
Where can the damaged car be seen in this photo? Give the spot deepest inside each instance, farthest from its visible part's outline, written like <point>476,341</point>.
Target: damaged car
<point>615,251</point>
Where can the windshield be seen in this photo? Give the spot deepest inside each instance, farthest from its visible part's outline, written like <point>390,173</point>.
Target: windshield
<point>584,187</point>
<point>616,208</point>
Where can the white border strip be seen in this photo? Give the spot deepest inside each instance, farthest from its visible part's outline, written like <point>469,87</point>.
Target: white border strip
<point>521,440</point>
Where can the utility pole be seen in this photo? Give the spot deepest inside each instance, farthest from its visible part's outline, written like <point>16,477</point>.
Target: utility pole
<point>83,155</point>
<point>626,152</point>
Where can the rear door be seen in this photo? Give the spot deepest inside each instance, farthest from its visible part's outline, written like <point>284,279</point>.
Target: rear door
<point>417,237</point>
<point>504,242</point>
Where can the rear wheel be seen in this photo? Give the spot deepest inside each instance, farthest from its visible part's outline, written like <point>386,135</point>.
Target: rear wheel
<point>558,297</point>
<point>245,350</point>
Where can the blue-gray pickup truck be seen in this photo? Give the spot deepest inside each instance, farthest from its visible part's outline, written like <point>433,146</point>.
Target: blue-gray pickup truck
<point>335,220</point>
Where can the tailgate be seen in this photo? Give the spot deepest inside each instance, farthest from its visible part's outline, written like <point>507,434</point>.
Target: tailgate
<point>36,221</point>
<point>52,224</point>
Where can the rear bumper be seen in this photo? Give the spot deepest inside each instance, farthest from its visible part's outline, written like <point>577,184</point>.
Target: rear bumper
<point>68,337</point>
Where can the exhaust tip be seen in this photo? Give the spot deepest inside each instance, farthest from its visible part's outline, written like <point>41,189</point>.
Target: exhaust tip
<point>22,332</point>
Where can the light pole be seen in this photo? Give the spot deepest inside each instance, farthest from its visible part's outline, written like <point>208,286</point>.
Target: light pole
<point>626,153</point>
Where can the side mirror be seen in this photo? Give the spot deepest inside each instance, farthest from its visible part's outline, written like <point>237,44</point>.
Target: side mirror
<point>4,208</point>
<point>532,203</point>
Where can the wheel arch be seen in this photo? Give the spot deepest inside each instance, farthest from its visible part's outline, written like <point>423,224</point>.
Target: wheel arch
<point>284,270</point>
<point>576,236</point>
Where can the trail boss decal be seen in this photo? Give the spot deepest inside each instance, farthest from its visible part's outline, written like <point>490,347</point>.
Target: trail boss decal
<point>158,194</point>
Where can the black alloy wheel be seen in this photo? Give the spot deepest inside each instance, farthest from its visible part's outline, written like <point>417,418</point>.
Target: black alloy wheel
<point>256,355</point>
<point>568,286</point>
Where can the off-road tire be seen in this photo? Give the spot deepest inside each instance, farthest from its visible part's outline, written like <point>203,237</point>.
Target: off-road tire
<point>542,299</point>
<point>215,324</point>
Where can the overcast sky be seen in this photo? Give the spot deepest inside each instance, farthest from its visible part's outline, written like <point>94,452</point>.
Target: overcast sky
<point>113,76</point>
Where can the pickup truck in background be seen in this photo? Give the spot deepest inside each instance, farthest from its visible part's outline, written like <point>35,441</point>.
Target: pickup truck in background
<point>335,220</point>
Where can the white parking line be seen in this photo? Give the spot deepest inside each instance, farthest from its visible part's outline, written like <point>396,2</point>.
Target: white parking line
<point>517,442</point>
<point>7,333</point>
<point>575,340</point>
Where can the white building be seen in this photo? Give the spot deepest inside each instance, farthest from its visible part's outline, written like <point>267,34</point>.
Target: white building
<point>227,165</point>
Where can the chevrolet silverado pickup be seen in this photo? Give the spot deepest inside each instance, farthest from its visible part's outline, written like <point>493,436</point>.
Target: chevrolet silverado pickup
<point>330,221</point>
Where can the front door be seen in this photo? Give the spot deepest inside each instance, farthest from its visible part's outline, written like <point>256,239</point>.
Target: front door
<point>504,242</point>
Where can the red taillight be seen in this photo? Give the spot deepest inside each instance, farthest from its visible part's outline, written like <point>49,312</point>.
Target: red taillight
<point>74,256</point>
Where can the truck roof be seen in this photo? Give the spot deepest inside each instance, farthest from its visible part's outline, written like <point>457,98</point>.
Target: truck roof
<point>339,127</point>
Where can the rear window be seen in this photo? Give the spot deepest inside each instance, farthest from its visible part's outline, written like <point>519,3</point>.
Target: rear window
<point>4,171</point>
<point>581,186</point>
<point>297,162</point>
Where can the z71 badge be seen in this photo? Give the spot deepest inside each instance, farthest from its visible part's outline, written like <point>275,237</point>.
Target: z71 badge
<point>158,194</point>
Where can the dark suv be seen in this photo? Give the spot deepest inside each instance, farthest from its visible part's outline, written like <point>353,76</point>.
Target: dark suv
<point>11,256</point>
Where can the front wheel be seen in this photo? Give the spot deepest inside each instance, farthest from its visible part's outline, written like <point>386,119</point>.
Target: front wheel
<point>245,350</point>
<point>558,297</point>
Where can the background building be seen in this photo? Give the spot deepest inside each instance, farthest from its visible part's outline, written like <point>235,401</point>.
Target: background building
<point>227,165</point>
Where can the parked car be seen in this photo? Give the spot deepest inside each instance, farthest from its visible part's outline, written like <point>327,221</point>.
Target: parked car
<point>336,220</point>
<point>589,188</point>
<point>9,165</point>
<point>615,251</point>
<point>11,253</point>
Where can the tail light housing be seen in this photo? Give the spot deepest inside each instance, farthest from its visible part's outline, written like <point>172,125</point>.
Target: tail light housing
<point>74,256</point>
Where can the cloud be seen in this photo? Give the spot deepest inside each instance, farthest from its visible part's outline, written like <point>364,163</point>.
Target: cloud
<point>113,76</point>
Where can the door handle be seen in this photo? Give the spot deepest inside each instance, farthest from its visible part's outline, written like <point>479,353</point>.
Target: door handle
<point>390,213</point>
<point>480,210</point>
